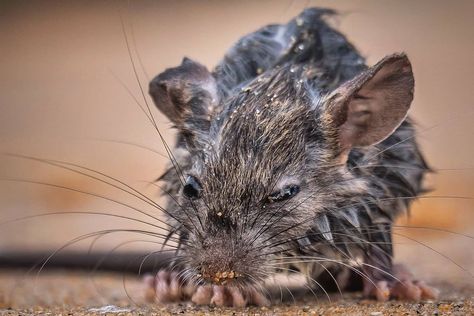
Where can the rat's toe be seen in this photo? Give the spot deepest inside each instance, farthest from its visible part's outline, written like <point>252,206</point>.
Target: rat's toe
<point>258,298</point>
<point>402,286</point>
<point>228,296</point>
<point>202,295</point>
<point>409,288</point>
<point>167,286</point>
<point>378,290</point>
<point>238,299</point>
<point>219,297</point>
<point>413,290</point>
<point>406,290</point>
<point>427,292</point>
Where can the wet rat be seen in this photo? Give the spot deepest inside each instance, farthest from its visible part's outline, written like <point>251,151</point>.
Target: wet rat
<point>292,155</point>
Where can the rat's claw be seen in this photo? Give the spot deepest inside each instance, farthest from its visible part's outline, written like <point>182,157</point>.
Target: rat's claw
<point>238,299</point>
<point>220,295</point>
<point>167,287</point>
<point>203,295</point>
<point>414,290</point>
<point>258,298</point>
<point>405,288</point>
<point>409,288</point>
<point>379,290</point>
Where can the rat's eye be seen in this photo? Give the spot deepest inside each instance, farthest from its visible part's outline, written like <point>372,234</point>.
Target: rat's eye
<point>284,194</point>
<point>192,188</point>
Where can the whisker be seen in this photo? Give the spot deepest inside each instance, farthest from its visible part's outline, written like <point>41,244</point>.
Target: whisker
<point>122,142</point>
<point>307,285</point>
<point>93,234</point>
<point>105,256</point>
<point>369,202</point>
<point>420,131</point>
<point>433,229</point>
<point>60,164</point>
<point>363,275</point>
<point>145,258</point>
<point>90,194</point>
<point>130,93</point>
<point>79,212</point>
<point>437,252</point>
<point>165,145</point>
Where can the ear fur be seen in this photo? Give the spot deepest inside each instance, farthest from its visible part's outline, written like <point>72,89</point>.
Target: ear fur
<point>185,93</point>
<point>368,108</point>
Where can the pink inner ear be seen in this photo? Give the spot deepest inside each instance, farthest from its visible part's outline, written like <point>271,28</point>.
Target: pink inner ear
<point>359,111</point>
<point>372,105</point>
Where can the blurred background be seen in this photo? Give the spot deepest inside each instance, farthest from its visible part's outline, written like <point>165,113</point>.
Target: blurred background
<point>67,92</point>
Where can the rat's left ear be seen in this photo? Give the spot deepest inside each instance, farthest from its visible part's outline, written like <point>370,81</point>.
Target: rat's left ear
<point>368,108</point>
<point>187,95</point>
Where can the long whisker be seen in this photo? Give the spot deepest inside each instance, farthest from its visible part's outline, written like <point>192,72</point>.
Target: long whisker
<point>122,142</point>
<point>137,52</point>
<point>369,202</point>
<point>165,145</point>
<point>150,113</point>
<point>308,286</point>
<point>130,93</point>
<point>104,257</point>
<point>437,252</point>
<point>363,275</point>
<point>91,194</point>
<point>68,166</point>
<point>421,131</point>
<point>134,192</point>
<point>93,234</point>
<point>267,226</point>
<point>79,212</point>
<point>443,230</point>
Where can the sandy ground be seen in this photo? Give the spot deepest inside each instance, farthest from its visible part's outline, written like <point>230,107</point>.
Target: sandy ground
<point>63,292</point>
<point>442,258</point>
<point>82,293</point>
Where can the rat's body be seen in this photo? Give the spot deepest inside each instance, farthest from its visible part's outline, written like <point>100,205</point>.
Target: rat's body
<point>292,155</point>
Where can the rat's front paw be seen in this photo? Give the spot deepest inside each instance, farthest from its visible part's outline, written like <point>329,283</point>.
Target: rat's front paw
<point>167,287</point>
<point>405,288</point>
<point>221,295</point>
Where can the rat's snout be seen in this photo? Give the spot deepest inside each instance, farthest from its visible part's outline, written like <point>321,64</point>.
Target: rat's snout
<point>222,260</point>
<point>219,266</point>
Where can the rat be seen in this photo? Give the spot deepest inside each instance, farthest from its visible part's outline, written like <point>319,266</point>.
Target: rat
<point>292,156</point>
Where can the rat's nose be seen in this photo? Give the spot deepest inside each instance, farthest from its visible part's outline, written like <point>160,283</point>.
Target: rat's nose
<point>221,259</point>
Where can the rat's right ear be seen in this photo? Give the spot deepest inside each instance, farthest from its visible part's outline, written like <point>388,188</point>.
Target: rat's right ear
<point>368,108</point>
<point>187,95</point>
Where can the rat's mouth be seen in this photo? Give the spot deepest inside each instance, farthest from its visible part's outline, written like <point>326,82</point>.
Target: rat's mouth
<point>221,277</point>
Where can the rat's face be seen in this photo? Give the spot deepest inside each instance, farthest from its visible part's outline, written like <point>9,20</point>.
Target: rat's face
<point>251,182</point>
<point>267,165</point>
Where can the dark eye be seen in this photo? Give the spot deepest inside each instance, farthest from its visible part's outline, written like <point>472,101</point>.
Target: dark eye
<point>284,194</point>
<point>192,188</point>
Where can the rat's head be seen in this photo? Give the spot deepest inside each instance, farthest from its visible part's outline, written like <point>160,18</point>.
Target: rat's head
<point>268,164</point>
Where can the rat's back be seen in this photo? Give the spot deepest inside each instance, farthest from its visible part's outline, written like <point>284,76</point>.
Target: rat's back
<point>306,40</point>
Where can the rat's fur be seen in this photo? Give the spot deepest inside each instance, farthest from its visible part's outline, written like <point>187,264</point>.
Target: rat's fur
<point>277,111</point>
